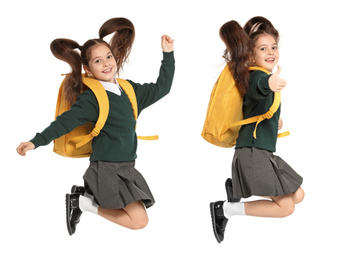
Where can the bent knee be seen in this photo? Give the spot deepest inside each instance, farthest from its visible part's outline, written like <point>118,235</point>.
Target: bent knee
<point>286,207</point>
<point>299,196</point>
<point>287,210</point>
<point>140,223</point>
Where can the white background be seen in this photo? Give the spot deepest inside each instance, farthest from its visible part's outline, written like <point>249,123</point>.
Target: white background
<point>184,172</point>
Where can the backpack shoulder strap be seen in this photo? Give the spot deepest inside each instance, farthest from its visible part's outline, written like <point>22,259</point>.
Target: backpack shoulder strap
<point>103,104</point>
<point>274,107</point>
<point>272,110</point>
<point>130,92</point>
<point>277,99</point>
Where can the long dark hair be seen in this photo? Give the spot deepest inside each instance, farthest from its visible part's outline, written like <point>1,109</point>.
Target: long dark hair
<point>68,50</point>
<point>239,44</point>
<point>237,53</point>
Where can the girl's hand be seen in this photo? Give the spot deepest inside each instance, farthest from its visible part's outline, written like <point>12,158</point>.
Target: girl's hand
<point>167,43</point>
<point>275,82</point>
<point>280,124</point>
<point>24,147</point>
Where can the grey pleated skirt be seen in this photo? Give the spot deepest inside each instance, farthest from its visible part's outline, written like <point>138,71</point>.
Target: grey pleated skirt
<point>261,173</point>
<point>116,184</point>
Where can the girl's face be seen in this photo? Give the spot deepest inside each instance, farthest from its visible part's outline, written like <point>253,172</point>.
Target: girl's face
<point>266,53</point>
<point>102,63</point>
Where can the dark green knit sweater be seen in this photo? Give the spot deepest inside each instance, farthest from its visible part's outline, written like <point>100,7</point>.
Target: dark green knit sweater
<point>257,101</point>
<point>117,140</point>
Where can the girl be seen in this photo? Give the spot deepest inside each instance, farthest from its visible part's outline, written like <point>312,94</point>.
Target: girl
<point>255,170</point>
<point>113,188</point>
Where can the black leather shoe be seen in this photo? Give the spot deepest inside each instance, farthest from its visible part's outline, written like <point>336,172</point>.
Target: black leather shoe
<point>73,212</point>
<point>218,220</point>
<point>229,191</point>
<point>78,189</point>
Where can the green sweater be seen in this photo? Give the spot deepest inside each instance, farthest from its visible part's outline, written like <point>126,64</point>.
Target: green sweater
<point>117,140</point>
<point>257,101</point>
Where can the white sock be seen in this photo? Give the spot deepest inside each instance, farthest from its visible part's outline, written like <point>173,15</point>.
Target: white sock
<point>87,204</point>
<point>88,196</point>
<point>233,208</point>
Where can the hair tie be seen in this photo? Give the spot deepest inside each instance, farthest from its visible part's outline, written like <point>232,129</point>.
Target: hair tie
<point>255,27</point>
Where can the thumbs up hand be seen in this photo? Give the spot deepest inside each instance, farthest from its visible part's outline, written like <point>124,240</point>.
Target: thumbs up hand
<point>276,83</point>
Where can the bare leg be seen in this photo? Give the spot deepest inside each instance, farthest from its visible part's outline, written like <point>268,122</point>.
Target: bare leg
<point>279,207</point>
<point>133,216</point>
<point>298,196</point>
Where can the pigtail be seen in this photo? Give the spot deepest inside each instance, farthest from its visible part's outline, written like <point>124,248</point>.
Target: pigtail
<point>64,49</point>
<point>122,40</point>
<point>259,25</point>
<point>238,53</point>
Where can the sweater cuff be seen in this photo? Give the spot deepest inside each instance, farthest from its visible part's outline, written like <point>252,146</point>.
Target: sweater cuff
<point>168,57</point>
<point>38,140</point>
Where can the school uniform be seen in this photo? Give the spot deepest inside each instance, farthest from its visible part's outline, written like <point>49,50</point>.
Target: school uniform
<point>255,169</point>
<point>111,176</point>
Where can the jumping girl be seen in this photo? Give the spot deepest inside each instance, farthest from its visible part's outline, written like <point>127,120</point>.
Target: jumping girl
<point>255,169</point>
<point>113,188</point>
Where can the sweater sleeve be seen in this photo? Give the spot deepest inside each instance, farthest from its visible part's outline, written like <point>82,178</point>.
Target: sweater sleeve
<point>148,93</point>
<point>84,110</point>
<point>259,84</point>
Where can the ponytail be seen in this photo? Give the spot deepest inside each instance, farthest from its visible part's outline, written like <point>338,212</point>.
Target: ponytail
<point>122,40</point>
<point>64,49</point>
<point>238,53</point>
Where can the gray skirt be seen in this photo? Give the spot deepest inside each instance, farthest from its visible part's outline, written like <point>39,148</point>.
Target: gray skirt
<point>260,173</point>
<point>116,184</point>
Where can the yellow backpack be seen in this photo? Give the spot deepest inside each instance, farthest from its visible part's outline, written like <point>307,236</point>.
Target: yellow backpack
<point>77,143</point>
<point>225,111</point>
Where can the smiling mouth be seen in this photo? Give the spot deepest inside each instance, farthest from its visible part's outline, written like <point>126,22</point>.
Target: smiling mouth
<point>270,59</point>
<point>107,70</point>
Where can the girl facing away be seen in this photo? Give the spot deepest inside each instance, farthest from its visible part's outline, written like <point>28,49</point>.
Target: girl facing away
<point>113,188</point>
<point>255,169</point>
